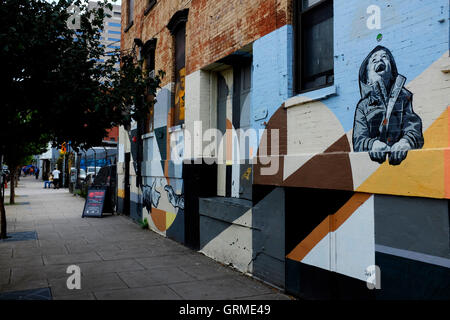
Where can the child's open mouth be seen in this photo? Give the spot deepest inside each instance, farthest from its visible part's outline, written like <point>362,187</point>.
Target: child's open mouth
<point>380,68</point>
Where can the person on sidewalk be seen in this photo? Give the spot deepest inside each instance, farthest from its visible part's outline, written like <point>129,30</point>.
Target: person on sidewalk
<point>49,181</point>
<point>55,174</point>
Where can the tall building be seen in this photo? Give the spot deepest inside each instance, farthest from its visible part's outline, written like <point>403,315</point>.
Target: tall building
<point>302,142</point>
<point>110,35</point>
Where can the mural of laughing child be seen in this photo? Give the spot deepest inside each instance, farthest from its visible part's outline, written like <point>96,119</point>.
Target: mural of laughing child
<point>385,123</point>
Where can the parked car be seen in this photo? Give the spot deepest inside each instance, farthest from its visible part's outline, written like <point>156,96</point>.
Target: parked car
<point>93,170</point>
<point>107,177</point>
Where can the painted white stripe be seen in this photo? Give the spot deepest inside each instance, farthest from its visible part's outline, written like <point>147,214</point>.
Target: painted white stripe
<point>439,261</point>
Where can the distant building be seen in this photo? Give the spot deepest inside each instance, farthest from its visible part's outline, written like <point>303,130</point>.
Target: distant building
<point>110,36</point>
<point>113,135</point>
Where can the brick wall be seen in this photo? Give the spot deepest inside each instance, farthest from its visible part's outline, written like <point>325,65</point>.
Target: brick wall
<point>214,29</point>
<point>112,134</point>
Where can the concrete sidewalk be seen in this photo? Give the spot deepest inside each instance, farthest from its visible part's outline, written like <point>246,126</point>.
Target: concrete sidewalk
<point>118,259</point>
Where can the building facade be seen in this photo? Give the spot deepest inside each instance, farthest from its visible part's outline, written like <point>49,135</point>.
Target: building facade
<point>111,33</point>
<point>302,142</point>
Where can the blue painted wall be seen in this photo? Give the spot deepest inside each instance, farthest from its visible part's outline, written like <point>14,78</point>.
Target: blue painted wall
<point>272,75</point>
<point>416,32</point>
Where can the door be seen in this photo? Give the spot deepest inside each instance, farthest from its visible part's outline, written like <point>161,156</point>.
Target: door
<point>242,169</point>
<point>224,125</point>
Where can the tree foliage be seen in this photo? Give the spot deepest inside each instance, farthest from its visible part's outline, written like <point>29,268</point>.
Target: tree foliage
<point>52,77</point>
<point>56,88</point>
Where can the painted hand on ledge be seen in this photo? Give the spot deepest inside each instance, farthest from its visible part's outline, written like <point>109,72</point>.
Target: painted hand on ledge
<point>379,151</point>
<point>399,151</point>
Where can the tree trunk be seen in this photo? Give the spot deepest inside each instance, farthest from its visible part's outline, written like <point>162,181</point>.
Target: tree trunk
<point>16,175</point>
<point>2,205</point>
<point>12,187</point>
<point>2,219</point>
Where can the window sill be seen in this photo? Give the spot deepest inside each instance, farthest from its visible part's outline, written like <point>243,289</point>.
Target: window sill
<point>148,135</point>
<point>311,96</point>
<point>446,68</point>
<point>176,128</point>
<point>149,7</point>
<point>128,27</point>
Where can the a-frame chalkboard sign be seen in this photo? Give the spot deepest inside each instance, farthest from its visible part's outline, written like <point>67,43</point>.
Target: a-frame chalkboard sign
<point>93,207</point>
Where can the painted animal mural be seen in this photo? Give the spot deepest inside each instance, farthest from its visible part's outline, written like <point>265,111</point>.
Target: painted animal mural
<point>151,197</point>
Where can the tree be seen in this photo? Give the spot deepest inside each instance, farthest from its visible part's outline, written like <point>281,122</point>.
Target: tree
<point>20,153</point>
<point>55,87</point>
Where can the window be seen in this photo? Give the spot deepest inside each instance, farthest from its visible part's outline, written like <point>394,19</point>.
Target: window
<point>130,13</point>
<point>114,24</point>
<point>177,27</point>
<point>314,58</point>
<point>113,32</point>
<point>180,74</point>
<point>149,65</point>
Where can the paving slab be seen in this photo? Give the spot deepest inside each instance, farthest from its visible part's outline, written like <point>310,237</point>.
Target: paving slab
<point>4,275</point>
<point>49,250</point>
<point>82,248</point>
<point>200,271</point>
<point>99,282</point>
<point>222,289</point>
<point>48,243</point>
<point>147,293</point>
<point>119,254</point>
<point>71,258</point>
<point>23,274</point>
<point>24,285</point>
<point>270,296</point>
<point>22,262</point>
<point>81,296</point>
<point>5,256</point>
<point>155,276</point>
<point>89,268</point>
<point>166,261</point>
<point>20,244</point>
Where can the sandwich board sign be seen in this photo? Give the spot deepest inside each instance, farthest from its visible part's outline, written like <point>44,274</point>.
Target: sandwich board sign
<point>95,200</point>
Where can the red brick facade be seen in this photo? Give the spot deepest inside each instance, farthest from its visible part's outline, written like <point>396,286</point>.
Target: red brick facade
<point>112,134</point>
<point>214,29</point>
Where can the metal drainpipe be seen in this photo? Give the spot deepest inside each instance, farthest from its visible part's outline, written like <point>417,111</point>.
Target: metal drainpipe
<point>106,155</point>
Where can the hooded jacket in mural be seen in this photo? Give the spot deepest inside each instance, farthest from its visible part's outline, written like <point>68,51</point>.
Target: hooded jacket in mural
<point>387,119</point>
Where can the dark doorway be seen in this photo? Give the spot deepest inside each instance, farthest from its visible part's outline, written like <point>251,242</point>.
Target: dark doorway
<point>126,200</point>
<point>200,180</point>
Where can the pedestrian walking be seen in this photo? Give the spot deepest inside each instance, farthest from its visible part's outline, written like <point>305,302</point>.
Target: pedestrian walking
<point>55,174</point>
<point>37,173</point>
